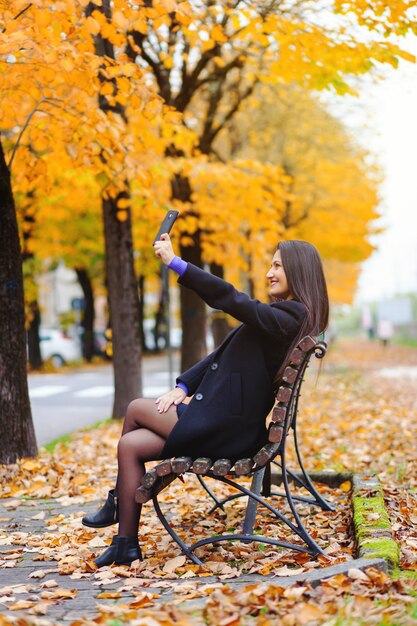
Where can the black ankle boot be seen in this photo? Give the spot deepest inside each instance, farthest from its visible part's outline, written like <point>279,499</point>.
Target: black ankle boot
<point>106,516</point>
<point>122,551</point>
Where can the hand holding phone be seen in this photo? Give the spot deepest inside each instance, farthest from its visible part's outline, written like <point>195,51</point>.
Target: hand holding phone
<point>167,224</point>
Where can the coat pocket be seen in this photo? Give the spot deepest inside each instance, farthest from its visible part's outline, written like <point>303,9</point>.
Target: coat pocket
<point>236,393</point>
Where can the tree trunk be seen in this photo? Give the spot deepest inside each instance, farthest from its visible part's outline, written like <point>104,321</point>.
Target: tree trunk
<point>120,270</point>
<point>193,309</point>
<point>219,323</point>
<point>141,289</point>
<point>16,426</point>
<point>34,348</point>
<point>160,330</point>
<point>124,307</point>
<point>87,322</point>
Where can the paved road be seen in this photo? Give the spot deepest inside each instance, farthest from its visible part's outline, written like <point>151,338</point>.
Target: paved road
<point>62,403</point>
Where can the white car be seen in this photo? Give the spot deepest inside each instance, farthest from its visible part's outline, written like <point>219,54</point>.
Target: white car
<point>57,346</point>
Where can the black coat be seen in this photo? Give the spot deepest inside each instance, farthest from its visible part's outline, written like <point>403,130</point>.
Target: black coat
<point>233,386</point>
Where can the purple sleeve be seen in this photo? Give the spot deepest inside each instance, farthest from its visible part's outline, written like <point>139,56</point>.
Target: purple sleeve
<point>182,386</point>
<point>178,265</point>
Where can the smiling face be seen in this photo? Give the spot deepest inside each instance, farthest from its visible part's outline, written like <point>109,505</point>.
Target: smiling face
<point>278,285</point>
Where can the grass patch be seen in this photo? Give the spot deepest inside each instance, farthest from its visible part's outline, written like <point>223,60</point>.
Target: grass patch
<point>64,439</point>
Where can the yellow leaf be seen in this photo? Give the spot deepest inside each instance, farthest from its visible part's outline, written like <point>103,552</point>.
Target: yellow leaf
<point>217,34</point>
<point>30,465</point>
<point>43,18</point>
<point>141,26</point>
<point>120,20</point>
<point>169,5</point>
<point>66,64</point>
<point>93,27</point>
<point>122,216</point>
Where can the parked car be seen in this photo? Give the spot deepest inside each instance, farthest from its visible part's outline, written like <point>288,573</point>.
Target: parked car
<point>57,346</point>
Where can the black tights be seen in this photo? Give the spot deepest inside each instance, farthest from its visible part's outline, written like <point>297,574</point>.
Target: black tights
<point>143,437</point>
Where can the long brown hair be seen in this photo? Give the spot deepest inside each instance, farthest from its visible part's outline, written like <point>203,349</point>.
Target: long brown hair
<point>307,284</point>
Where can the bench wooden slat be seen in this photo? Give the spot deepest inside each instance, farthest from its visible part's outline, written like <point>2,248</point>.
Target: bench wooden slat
<point>307,343</point>
<point>222,467</point>
<point>181,464</point>
<point>279,413</point>
<point>284,394</point>
<point>290,375</point>
<point>243,466</point>
<point>201,465</point>
<point>275,433</point>
<point>143,494</point>
<point>296,357</point>
<point>265,454</point>
<point>149,478</point>
<point>164,468</point>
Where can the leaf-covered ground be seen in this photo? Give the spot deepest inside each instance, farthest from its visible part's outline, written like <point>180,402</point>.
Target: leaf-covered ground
<point>358,413</point>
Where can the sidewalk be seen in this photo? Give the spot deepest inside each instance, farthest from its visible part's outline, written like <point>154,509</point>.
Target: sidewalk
<point>31,587</point>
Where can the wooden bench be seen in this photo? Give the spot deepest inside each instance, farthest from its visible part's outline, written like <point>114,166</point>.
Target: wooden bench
<point>283,419</point>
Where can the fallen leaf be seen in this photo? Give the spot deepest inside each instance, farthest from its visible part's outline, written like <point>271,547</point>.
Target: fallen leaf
<point>172,564</point>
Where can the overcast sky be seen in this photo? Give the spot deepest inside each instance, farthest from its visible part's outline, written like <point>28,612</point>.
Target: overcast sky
<point>384,120</point>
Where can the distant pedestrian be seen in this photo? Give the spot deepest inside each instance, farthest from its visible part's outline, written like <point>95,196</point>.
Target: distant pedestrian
<point>385,331</point>
<point>367,322</point>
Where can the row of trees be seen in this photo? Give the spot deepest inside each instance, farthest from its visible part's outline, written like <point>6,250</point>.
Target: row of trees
<point>113,111</point>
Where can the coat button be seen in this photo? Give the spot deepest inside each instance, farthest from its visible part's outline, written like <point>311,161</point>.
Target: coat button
<point>198,396</point>
<point>214,366</point>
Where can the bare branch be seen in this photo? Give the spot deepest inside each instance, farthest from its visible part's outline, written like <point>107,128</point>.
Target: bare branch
<point>209,134</point>
<point>31,114</point>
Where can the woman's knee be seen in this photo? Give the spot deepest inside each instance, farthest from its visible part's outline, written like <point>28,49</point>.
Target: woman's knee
<point>135,409</point>
<point>142,444</point>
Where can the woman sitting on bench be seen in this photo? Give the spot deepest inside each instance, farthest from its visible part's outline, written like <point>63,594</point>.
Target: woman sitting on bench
<point>232,389</point>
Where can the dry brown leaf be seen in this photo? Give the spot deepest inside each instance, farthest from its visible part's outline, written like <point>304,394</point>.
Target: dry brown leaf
<point>22,605</point>
<point>172,564</point>
<point>143,600</point>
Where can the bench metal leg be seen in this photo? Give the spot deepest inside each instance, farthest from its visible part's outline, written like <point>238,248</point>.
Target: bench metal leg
<point>308,484</point>
<point>252,506</point>
<point>302,531</point>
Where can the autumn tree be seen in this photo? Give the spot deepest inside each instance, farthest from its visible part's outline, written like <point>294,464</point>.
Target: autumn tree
<point>225,49</point>
<point>49,87</point>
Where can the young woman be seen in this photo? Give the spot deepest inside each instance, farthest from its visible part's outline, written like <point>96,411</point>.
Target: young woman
<point>231,390</point>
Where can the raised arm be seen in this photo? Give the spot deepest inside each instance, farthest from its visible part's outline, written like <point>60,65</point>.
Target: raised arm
<point>279,318</point>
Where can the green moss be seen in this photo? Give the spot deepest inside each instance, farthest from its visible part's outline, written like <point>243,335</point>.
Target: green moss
<point>372,524</point>
<point>382,548</point>
<point>369,514</point>
<point>407,573</point>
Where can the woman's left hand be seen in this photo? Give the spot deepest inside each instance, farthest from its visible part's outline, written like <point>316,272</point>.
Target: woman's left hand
<point>163,249</point>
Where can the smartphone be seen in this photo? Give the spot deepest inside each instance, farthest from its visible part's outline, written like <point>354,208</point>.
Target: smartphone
<point>167,224</point>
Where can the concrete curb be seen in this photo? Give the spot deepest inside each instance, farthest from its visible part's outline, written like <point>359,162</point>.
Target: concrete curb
<point>373,532</point>
<point>332,478</point>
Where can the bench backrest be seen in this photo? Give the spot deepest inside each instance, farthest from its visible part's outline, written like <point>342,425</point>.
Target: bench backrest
<point>287,396</point>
